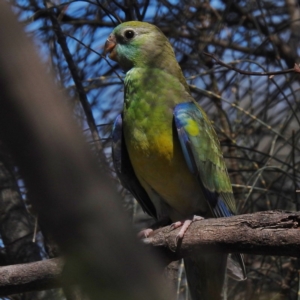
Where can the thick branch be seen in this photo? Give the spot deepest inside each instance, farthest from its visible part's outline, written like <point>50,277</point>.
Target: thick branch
<point>266,233</point>
<point>73,196</point>
<point>35,276</point>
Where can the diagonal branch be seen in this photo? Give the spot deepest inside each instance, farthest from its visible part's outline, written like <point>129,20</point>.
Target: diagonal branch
<point>61,39</point>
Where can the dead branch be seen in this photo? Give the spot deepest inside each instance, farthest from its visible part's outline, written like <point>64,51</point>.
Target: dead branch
<point>231,67</point>
<point>265,233</point>
<point>35,276</point>
<point>61,39</point>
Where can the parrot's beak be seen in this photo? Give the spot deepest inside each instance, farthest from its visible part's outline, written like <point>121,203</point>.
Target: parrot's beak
<point>109,47</point>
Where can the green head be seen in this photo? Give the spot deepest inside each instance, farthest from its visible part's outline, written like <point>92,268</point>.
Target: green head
<point>138,44</point>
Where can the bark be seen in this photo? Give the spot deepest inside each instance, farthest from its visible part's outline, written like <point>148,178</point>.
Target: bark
<point>262,233</point>
<point>36,276</point>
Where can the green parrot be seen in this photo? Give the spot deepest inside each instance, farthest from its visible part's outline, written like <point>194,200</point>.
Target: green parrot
<point>165,150</point>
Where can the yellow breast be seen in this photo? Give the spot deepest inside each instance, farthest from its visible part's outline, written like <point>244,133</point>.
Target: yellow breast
<point>160,166</point>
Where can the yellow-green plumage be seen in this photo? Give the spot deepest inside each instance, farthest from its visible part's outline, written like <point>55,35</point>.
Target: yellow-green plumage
<point>155,154</point>
<point>177,168</point>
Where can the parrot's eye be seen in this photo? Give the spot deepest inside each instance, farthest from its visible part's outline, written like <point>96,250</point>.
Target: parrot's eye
<point>129,34</point>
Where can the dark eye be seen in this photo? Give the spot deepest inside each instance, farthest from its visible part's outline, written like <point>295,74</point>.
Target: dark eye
<point>129,34</point>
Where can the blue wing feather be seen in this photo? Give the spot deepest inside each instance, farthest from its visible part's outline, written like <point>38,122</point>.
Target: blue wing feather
<point>125,170</point>
<point>203,156</point>
<point>198,164</point>
<point>186,149</point>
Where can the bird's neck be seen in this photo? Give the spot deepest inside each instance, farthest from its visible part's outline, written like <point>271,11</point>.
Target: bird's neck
<point>163,59</point>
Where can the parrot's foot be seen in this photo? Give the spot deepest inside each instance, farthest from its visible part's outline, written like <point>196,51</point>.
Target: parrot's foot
<point>184,226</point>
<point>145,233</point>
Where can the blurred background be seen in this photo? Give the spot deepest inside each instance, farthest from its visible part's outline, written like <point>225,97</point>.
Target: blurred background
<point>256,117</point>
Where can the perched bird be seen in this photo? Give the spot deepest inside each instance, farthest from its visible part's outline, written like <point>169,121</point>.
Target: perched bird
<point>165,150</point>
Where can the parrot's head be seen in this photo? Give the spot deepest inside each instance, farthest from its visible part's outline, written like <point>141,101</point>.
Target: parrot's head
<point>138,44</point>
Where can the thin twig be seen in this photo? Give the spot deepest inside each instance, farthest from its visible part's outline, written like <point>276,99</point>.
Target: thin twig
<point>61,39</point>
<point>296,68</point>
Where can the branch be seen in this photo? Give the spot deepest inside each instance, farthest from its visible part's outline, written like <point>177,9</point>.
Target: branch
<point>262,233</point>
<point>35,276</point>
<point>61,39</point>
<point>74,197</point>
<point>296,68</point>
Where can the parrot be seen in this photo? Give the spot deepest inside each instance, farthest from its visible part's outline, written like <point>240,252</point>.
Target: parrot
<point>165,150</point>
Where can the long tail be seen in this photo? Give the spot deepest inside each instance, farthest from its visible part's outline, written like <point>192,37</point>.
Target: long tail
<point>235,267</point>
<point>205,276</point>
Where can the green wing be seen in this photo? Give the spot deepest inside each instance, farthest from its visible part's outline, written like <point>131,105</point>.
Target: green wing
<point>202,152</point>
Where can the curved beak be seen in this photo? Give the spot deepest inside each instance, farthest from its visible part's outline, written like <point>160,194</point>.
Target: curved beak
<point>109,47</point>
